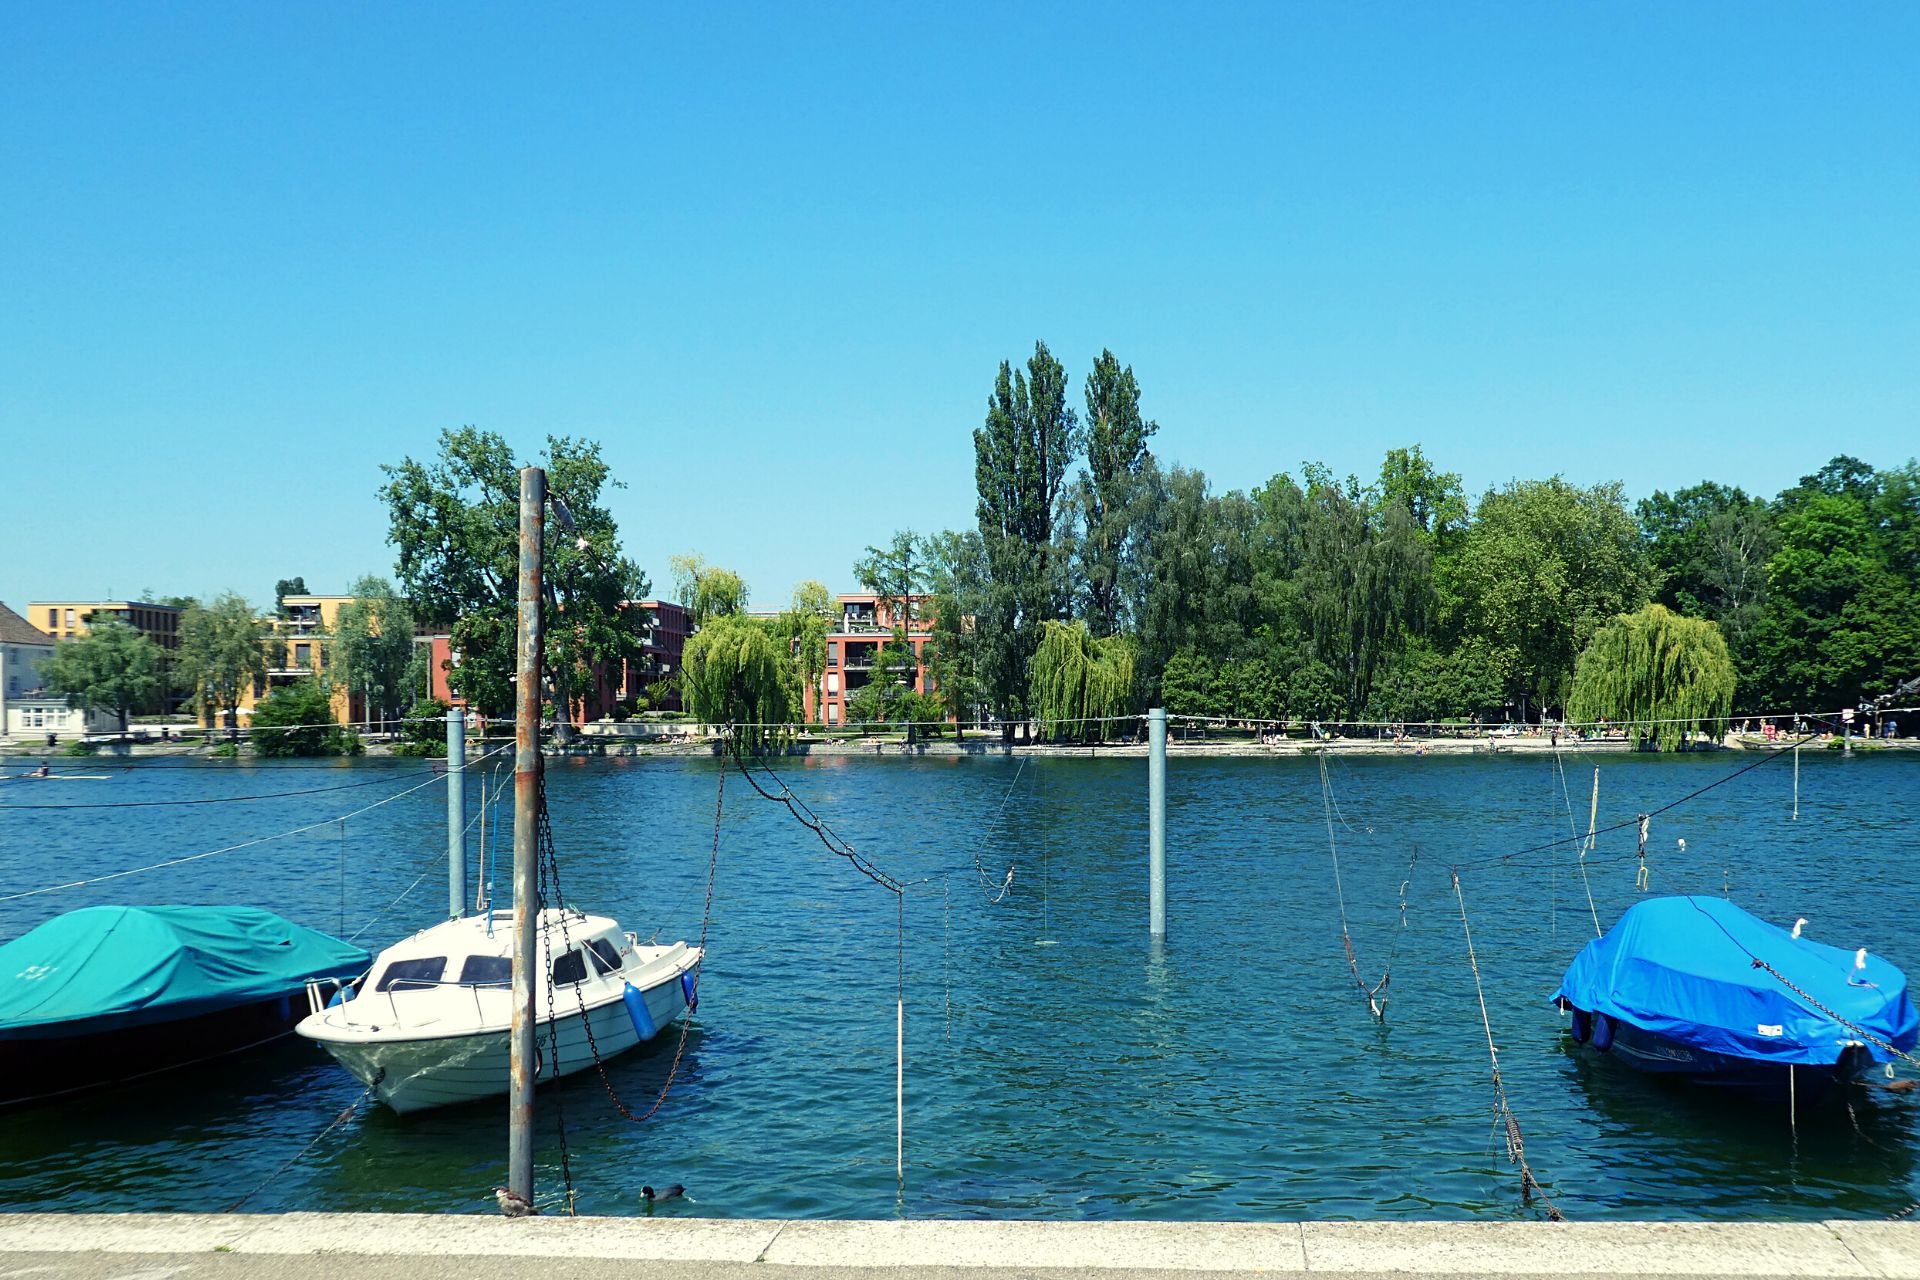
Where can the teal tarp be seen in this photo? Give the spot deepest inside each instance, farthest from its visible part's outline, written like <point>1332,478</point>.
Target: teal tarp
<point>103,968</point>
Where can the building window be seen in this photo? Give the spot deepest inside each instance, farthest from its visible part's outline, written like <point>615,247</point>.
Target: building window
<point>303,655</point>
<point>69,617</point>
<point>833,653</point>
<point>833,713</point>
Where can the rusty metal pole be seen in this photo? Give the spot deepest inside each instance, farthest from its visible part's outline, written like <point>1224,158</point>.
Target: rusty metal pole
<point>526,805</point>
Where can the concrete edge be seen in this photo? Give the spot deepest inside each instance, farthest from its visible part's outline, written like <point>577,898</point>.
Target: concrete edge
<point>1872,1250</point>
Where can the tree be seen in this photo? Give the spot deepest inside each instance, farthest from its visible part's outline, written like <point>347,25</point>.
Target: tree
<point>733,674</point>
<point>455,523</point>
<point>1107,496</point>
<point>222,651</point>
<point>1709,545</point>
<point>287,587</point>
<point>297,720</point>
<point>896,574</point>
<point>1659,674</point>
<point>1080,682</point>
<point>803,629</point>
<point>1021,457</point>
<point>1433,498</point>
<point>706,590</point>
<point>113,668</point>
<point>1542,568</point>
<point>956,579</point>
<point>374,649</point>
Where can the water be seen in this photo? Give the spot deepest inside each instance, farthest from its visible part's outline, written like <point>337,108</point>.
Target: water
<point>1058,1067</point>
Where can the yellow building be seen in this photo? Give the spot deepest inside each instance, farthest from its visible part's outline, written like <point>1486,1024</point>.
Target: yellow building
<point>67,620</point>
<point>299,646</point>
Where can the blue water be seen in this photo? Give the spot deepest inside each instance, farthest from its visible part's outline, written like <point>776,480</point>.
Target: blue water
<point>1057,1065</point>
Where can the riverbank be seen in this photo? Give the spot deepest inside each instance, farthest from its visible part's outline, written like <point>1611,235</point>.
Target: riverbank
<point>484,1245</point>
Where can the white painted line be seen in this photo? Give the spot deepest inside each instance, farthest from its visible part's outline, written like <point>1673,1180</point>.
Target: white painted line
<point>1172,1246</point>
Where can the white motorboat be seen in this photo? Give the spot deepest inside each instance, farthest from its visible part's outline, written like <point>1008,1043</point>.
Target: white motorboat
<point>428,1026</point>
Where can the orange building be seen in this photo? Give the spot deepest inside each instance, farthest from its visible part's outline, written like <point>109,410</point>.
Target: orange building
<point>866,623</point>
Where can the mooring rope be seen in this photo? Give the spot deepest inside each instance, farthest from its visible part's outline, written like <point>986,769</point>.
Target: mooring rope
<point>1376,1004</point>
<point>1503,1112</point>
<point>336,1122</point>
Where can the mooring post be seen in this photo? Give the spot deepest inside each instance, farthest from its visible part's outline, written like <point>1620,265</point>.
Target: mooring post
<point>526,807</point>
<point>456,813</point>
<point>1157,823</point>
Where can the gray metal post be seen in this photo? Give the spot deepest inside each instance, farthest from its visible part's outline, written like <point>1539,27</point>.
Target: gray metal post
<point>526,804</point>
<point>456,813</point>
<point>1157,822</point>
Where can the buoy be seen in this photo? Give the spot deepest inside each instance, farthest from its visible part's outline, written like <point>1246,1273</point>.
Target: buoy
<point>1798,925</point>
<point>1602,1032</point>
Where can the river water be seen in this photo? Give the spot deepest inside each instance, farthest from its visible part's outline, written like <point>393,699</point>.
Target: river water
<point>1057,1066</point>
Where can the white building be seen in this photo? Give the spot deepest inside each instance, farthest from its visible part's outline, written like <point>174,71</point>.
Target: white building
<point>23,647</point>
<point>33,717</point>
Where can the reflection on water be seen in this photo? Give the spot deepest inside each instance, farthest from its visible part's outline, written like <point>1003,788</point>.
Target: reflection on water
<point>1232,1073</point>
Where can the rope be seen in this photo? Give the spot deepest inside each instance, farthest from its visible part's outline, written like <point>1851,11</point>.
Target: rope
<point>214,853</point>
<point>996,891</point>
<point>1516,1146</point>
<point>1375,1004</point>
<point>300,1154</point>
<point>808,819</point>
<point>156,804</point>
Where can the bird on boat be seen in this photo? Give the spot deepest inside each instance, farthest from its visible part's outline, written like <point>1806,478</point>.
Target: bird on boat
<point>510,1204</point>
<point>673,1192</point>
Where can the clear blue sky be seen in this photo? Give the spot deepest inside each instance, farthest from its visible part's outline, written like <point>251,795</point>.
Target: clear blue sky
<point>772,255</point>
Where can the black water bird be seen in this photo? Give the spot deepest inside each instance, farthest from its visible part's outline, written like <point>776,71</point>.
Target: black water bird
<point>673,1192</point>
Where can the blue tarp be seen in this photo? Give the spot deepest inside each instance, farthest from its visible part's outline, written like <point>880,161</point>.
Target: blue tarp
<point>1683,968</point>
<point>104,968</point>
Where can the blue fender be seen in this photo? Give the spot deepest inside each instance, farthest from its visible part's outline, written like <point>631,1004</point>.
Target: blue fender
<point>1602,1032</point>
<point>690,987</point>
<point>637,1010</point>
<point>1582,1026</point>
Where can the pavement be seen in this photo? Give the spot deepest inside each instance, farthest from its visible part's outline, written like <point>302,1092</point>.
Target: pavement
<point>312,1246</point>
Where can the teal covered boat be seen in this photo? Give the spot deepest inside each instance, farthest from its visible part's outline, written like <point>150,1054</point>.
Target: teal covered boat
<point>105,994</point>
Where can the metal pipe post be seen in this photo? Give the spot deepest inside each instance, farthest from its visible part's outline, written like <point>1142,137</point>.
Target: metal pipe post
<point>456,813</point>
<point>1157,823</point>
<point>526,805</point>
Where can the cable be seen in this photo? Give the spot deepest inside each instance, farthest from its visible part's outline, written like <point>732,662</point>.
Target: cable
<point>154,804</point>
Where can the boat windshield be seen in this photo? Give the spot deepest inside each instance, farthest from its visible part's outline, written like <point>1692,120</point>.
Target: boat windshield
<point>487,971</point>
<point>402,974</point>
<point>606,956</point>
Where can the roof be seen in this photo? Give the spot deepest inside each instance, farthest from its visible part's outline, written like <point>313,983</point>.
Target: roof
<point>15,629</point>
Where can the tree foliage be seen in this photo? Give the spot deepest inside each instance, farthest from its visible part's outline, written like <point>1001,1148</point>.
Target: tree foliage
<point>113,667</point>
<point>455,523</point>
<point>1108,495</point>
<point>706,590</point>
<point>733,673</point>
<point>222,652</point>
<point>1658,674</point>
<point>1080,682</point>
<point>374,649</point>
<point>298,720</point>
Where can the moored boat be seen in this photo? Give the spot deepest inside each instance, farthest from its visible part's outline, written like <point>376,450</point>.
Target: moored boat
<point>429,1025</point>
<point>103,995</point>
<point>1698,989</point>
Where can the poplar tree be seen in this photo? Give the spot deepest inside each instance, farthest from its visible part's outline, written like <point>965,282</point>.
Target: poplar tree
<point>1108,494</point>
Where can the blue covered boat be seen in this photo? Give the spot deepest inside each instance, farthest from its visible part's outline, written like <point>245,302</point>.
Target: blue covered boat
<point>106,994</point>
<point>1696,988</point>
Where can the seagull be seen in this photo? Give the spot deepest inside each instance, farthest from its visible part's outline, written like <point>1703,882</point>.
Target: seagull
<point>511,1204</point>
<point>671,1193</point>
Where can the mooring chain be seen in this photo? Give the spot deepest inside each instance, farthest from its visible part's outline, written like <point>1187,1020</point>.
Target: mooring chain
<point>1858,1030</point>
<point>706,918</point>
<point>553,1008</point>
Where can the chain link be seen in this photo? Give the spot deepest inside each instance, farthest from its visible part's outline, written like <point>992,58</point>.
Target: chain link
<point>1860,1031</point>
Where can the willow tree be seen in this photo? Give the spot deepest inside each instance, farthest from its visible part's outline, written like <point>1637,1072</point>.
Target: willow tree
<point>734,674</point>
<point>1079,682</point>
<point>1657,673</point>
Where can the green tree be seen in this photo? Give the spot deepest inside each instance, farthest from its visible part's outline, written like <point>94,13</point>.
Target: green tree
<point>1658,673</point>
<point>287,587</point>
<point>1080,682</point>
<point>297,720</point>
<point>1542,569</point>
<point>956,579</point>
<point>734,674</point>
<point>896,574</point>
<point>1107,498</point>
<point>112,668</point>
<point>1709,545</point>
<point>706,590</point>
<point>803,628</point>
<point>1197,585</point>
<point>455,523</point>
<point>222,652</point>
<point>374,649</point>
<point>1021,458</point>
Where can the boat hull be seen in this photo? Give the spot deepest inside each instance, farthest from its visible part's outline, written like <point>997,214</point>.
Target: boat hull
<point>62,1059</point>
<point>418,1074</point>
<point>1656,1055</point>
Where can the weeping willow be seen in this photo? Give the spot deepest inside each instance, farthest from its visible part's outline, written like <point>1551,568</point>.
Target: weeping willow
<point>1658,675</point>
<point>734,674</point>
<point>1079,681</point>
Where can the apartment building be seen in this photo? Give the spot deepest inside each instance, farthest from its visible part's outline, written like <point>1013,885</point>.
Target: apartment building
<point>865,623</point>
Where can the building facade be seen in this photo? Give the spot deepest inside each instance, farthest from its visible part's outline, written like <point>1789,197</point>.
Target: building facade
<point>663,643</point>
<point>23,647</point>
<point>69,620</point>
<point>866,623</point>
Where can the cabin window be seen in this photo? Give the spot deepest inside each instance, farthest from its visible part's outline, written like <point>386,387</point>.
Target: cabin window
<point>402,974</point>
<point>487,971</point>
<point>606,957</point>
<point>571,967</point>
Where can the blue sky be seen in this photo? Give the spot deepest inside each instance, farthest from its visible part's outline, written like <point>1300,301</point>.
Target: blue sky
<point>771,256</point>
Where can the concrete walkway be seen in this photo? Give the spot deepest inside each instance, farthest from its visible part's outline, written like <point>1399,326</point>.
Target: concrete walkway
<point>308,1246</point>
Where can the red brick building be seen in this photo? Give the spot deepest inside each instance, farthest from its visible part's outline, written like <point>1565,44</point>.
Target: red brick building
<point>865,624</point>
